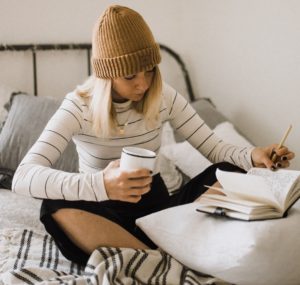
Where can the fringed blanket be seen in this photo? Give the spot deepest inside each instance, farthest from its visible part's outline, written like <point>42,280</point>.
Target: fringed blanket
<point>29,257</point>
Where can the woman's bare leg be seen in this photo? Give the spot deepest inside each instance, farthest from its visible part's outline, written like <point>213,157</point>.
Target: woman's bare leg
<point>89,231</point>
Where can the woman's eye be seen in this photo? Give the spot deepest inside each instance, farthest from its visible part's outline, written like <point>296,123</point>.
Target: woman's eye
<point>129,77</point>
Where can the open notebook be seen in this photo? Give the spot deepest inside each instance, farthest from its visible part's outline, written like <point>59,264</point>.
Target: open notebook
<point>260,194</point>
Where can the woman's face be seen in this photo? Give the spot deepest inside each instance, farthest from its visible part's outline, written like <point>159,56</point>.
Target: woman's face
<point>132,87</point>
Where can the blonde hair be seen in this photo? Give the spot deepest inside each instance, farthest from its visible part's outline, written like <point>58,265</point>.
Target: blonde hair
<point>98,92</point>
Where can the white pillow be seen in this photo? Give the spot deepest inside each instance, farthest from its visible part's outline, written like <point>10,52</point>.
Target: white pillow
<point>229,134</point>
<point>190,161</point>
<point>239,252</point>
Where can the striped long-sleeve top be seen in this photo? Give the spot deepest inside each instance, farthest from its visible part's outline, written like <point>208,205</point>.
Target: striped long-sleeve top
<point>36,177</point>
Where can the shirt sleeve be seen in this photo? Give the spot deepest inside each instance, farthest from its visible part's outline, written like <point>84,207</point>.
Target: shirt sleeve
<point>35,176</point>
<point>185,120</point>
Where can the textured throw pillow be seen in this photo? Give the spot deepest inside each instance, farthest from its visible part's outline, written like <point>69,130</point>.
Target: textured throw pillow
<point>25,121</point>
<point>239,252</point>
<point>5,94</point>
<point>208,112</point>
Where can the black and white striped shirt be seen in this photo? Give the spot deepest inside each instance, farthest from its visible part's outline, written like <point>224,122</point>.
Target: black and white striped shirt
<point>36,178</point>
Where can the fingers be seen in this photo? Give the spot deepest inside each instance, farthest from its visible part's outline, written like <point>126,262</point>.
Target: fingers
<point>280,158</point>
<point>286,155</point>
<point>136,178</point>
<point>138,173</point>
<point>133,199</point>
<point>133,195</point>
<point>282,164</point>
<point>272,157</point>
<point>283,151</point>
<point>132,185</point>
<point>138,185</point>
<point>128,186</point>
<point>267,162</point>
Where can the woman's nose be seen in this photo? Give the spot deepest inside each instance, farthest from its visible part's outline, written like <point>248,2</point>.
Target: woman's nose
<point>142,83</point>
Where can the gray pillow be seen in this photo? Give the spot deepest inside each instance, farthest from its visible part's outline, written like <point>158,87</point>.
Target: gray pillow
<point>26,119</point>
<point>208,112</point>
<point>5,94</point>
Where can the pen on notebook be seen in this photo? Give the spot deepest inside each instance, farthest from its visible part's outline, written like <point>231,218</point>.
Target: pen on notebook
<point>273,154</point>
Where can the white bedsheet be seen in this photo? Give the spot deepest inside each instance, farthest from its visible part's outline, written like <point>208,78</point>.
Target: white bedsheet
<point>19,211</point>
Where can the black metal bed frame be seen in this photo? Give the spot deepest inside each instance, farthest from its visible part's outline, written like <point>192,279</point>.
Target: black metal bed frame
<point>34,48</point>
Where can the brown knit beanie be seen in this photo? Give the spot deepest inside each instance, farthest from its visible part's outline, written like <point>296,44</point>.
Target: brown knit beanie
<point>123,44</point>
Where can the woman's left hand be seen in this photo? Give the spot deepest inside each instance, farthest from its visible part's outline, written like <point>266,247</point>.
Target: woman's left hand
<point>261,157</point>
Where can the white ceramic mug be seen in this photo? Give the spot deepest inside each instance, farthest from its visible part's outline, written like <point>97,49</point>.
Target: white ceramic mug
<point>136,157</point>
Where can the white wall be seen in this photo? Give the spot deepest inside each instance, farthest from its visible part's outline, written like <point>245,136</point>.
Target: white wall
<point>245,55</point>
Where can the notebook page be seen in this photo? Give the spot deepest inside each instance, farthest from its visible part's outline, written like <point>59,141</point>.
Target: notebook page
<point>279,181</point>
<point>252,187</point>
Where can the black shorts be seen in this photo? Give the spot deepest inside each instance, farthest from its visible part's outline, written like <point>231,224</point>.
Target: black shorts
<point>124,213</point>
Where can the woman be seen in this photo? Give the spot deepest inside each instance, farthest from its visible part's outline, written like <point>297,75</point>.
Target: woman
<point>124,103</point>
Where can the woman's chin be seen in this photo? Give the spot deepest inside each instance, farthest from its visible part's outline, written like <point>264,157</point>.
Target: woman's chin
<point>137,98</point>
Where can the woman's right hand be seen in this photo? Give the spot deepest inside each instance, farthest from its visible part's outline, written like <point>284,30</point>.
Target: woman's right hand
<point>127,186</point>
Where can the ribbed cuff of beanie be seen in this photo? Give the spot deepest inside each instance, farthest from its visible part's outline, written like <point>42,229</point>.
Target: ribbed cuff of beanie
<point>127,64</point>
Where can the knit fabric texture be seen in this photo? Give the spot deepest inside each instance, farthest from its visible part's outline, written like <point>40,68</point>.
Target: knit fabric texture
<point>122,44</point>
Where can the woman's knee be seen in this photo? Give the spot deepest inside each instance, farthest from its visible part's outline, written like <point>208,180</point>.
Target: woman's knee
<point>66,215</point>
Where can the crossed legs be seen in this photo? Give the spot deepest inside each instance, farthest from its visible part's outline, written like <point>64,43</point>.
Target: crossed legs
<point>89,231</point>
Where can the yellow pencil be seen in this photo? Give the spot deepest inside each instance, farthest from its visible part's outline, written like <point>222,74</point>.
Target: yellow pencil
<point>273,154</point>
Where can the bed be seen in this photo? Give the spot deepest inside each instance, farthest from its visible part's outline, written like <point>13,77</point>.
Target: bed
<point>28,255</point>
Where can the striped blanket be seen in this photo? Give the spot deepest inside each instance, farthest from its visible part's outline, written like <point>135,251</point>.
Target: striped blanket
<point>30,257</point>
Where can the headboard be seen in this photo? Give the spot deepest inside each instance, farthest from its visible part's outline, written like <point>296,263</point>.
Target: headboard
<point>168,54</point>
